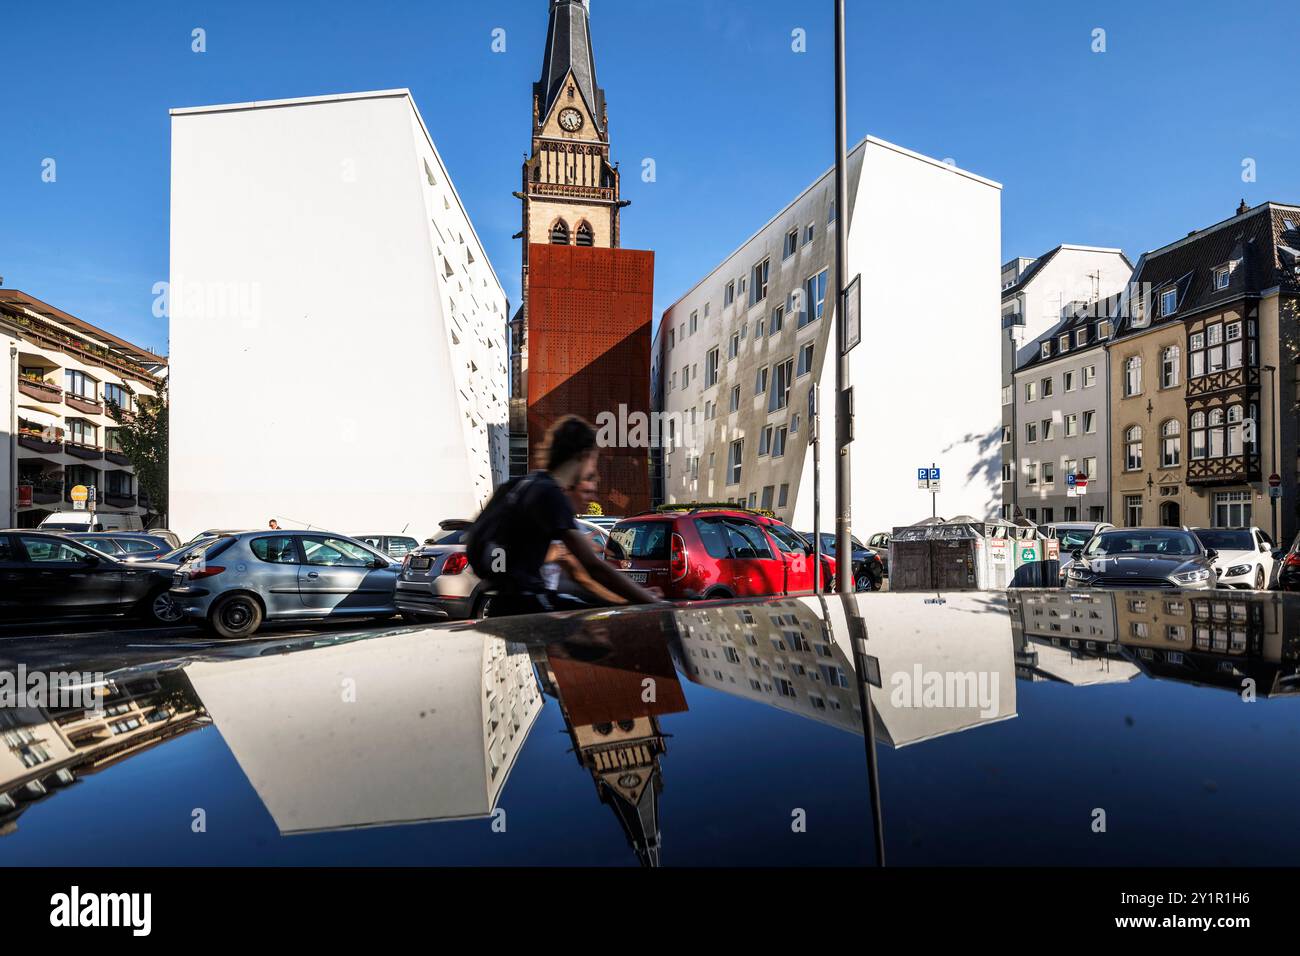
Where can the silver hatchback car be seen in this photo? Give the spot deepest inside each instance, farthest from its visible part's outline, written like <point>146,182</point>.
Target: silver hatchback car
<point>237,581</point>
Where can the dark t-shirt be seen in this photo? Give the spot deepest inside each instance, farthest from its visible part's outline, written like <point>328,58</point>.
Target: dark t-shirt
<point>541,515</point>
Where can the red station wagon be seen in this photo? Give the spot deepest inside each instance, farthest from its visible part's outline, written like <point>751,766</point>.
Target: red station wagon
<point>717,553</point>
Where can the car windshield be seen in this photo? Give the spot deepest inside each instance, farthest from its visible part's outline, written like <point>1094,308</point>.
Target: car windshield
<point>1141,541</point>
<point>449,536</point>
<point>1221,540</point>
<point>644,539</point>
<point>1072,538</point>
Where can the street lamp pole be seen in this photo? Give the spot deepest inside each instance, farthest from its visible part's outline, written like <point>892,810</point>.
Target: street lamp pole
<point>844,396</point>
<point>1272,421</point>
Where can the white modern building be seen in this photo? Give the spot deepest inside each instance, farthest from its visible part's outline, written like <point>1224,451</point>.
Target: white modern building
<point>737,355</point>
<point>337,329</point>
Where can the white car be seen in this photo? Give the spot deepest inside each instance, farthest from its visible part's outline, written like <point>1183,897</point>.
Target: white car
<point>1245,558</point>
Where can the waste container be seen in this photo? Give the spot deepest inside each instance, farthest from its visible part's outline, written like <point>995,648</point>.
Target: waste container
<point>958,554</point>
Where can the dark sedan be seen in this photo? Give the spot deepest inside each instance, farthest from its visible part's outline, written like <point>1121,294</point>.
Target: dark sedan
<point>1288,568</point>
<point>868,568</point>
<point>45,575</point>
<point>127,546</point>
<point>1143,558</point>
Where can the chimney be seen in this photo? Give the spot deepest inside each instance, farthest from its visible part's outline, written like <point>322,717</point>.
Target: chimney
<point>1243,208</point>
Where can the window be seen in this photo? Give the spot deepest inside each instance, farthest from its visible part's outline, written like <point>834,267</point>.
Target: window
<point>814,290</point>
<point>81,432</point>
<point>778,442</point>
<point>1068,381</point>
<point>117,395</point>
<point>791,244</point>
<point>585,237</point>
<point>734,461</point>
<point>1008,394</point>
<point>765,441</point>
<point>778,320</point>
<point>735,399</point>
<point>1090,422</point>
<point>782,375</point>
<point>760,382</point>
<point>794,424</point>
<point>1103,330</point>
<point>729,294</point>
<point>1133,448</point>
<point>1171,444</point>
<point>1097,513</point>
<point>1031,473</point>
<point>1047,387</point>
<point>1234,431</point>
<point>809,232</point>
<point>1006,473</point>
<point>1047,429</point>
<point>759,328</point>
<point>1215,432</point>
<point>783,497</point>
<point>1081,338</point>
<point>1049,474</point>
<point>1133,511</point>
<point>1089,376</point>
<point>1089,467</point>
<point>686,375</point>
<point>805,360</point>
<point>1169,302</point>
<point>560,233</point>
<point>1071,426</point>
<point>766,501</point>
<point>830,216</point>
<point>1232,509</point>
<point>275,549</point>
<point>1045,350</point>
<point>711,368</point>
<point>672,338</point>
<point>1006,434</point>
<point>1031,391</point>
<point>695,319</point>
<point>113,441</point>
<point>1169,367</point>
<point>80,385</point>
<point>758,282</point>
<point>1031,432</point>
<point>1199,441</point>
<point>1133,376</point>
<point>733,348</point>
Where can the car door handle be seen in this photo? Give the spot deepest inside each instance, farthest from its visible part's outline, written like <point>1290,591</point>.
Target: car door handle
<point>313,574</point>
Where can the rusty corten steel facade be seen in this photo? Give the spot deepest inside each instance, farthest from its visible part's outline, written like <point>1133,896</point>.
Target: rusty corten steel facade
<point>589,315</point>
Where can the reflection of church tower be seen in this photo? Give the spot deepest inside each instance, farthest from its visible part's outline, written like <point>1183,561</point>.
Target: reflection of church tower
<point>623,760</point>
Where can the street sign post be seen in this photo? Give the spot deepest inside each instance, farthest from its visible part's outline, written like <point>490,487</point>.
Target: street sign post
<point>79,494</point>
<point>927,479</point>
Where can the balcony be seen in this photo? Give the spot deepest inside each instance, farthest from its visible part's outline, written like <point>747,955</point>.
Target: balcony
<point>1230,379</point>
<point>119,501</point>
<point>571,191</point>
<point>1223,471</point>
<point>39,389</point>
<point>86,405</point>
<point>45,491</point>
<point>87,452</point>
<point>116,457</point>
<point>37,442</point>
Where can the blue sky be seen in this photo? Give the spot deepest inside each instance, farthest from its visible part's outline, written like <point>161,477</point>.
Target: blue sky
<point>1131,147</point>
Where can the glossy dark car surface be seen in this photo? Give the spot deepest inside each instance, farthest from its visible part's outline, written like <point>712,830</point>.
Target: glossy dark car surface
<point>534,740</point>
<point>45,575</point>
<point>126,546</point>
<point>716,553</point>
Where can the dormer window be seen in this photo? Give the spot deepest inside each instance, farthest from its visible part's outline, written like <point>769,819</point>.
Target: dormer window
<point>1063,343</point>
<point>1169,302</point>
<point>1103,329</point>
<point>1081,338</point>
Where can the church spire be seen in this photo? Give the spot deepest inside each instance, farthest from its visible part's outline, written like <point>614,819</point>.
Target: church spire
<point>568,50</point>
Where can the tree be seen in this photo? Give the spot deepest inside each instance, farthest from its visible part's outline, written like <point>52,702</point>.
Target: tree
<point>142,435</point>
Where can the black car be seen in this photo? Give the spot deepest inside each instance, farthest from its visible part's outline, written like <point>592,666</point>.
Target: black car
<point>1287,567</point>
<point>126,545</point>
<point>868,569</point>
<point>45,575</point>
<point>1143,558</point>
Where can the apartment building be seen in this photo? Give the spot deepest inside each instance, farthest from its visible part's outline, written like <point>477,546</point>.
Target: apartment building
<point>1203,378</point>
<point>333,311</point>
<point>63,376</point>
<point>1059,425</point>
<point>1043,299</point>
<point>741,351</point>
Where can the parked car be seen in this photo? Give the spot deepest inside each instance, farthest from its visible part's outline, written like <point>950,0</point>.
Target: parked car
<point>717,553</point>
<point>436,581</point>
<point>879,543</point>
<point>1245,559</point>
<point>142,547</point>
<point>868,568</point>
<point>85,521</point>
<point>604,522</point>
<point>1288,568</point>
<point>171,537</point>
<point>44,574</point>
<point>1072,535</point>
<point>174,557</point>
<point>239,581</point>
<point>1143,558</point>
<point>394,545</point>
<point>216,532</point>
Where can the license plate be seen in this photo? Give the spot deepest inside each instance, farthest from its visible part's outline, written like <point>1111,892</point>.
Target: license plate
<point>640,577</point>
<point>178,579</point>
<point>421,564</point>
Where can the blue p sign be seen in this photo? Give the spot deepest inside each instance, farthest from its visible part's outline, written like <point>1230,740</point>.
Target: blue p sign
<point>922,474</point>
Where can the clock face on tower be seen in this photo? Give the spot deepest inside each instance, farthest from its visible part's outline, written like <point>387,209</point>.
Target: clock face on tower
<point>571,120</point>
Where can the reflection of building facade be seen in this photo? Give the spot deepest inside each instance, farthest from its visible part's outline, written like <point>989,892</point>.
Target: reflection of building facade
<point>48,749</point>
<point>1067,636</point>
<point>612,695</point>
<point>443,715</point>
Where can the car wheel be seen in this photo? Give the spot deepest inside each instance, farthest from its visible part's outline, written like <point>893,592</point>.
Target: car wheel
<point>237,615</point>
<point>481,606</point>
<point>718,594</point>
<point>161,609</point>
<point>1260,583</point>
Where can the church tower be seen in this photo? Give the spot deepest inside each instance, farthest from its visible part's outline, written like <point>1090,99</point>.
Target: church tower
<point>570,189</point>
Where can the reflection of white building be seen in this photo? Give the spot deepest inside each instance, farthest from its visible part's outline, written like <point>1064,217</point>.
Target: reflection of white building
<point>1069,636</point>
<point>793,656</point>
<point>401,729</point>
<point>331,307</point>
